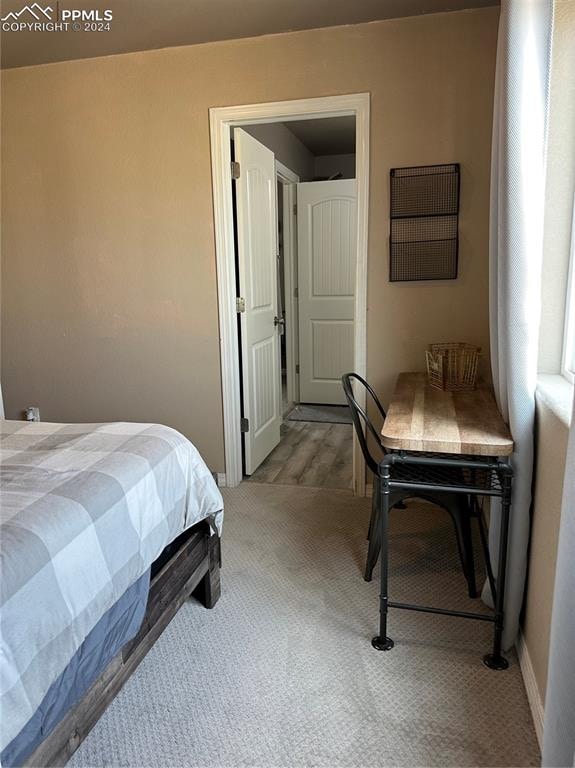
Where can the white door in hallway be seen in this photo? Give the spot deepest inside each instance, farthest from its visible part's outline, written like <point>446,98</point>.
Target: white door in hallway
<point>327,258</point>
<point>257,269</point>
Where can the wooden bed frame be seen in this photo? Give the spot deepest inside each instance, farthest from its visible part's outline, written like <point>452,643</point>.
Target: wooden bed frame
<point>190,565</point>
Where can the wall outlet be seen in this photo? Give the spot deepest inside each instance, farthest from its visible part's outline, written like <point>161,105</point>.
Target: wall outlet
<point>33,413</point>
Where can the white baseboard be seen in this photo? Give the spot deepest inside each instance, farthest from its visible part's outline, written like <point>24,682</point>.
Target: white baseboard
<point>221,479</point>
<point>533,695</point>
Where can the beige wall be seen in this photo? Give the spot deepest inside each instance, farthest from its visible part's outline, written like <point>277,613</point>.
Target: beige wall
<point>109,304</point>
<point>327,165</point>
<point>552,435</point>
<point>286,147</point>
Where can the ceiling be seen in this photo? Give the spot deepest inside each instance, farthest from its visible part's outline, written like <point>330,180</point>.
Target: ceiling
<point>140,25</point>
<point>330,136</point>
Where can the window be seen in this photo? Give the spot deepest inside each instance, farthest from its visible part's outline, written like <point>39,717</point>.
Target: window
<point>569,336</point>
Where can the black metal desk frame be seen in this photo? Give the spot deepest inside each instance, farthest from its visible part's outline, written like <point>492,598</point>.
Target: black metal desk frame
<point>401,475</point>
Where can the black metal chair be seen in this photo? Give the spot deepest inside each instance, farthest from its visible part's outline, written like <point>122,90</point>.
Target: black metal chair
<point>455,504</point>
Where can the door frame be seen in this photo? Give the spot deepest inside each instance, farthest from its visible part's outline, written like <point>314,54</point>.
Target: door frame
<point>288,179</point>
<point>222,120</point>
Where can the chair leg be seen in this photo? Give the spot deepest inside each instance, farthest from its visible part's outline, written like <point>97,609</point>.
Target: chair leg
<point>487,555</point>
<point>374,548</point>
<point>374,498</point>
<point>374,540</point>
<point>462,523</point>
<point>460,513</point>
<point>468,549</point>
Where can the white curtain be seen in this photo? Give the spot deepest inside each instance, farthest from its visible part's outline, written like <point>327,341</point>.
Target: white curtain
<point>559,730</point>
<point>516,240</point>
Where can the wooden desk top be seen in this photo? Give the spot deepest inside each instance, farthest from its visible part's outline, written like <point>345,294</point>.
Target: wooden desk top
<point>422,418</point>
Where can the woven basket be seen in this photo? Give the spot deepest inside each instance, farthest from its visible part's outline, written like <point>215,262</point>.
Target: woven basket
<point>452,367</point>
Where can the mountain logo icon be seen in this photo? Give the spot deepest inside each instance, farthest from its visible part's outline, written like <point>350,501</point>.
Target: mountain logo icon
<point>35,10</point>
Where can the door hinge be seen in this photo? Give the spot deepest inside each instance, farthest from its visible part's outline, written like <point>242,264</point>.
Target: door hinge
<point>235,169</point>
<point>244,424</point>
<point>297,367</point>
<point>295,209</point>
<point>240,304</point>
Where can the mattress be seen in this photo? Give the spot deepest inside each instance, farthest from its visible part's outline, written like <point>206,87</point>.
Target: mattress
<point>116,628</point>
<point>84,511</point>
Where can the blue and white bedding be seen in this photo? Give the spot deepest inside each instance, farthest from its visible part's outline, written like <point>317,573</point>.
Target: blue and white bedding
<point>116,628</point>
<point>84,511</point>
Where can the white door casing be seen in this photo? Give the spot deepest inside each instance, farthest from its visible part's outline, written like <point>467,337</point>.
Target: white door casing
<point>289,181</point>
<point>327,259</point>
<point>257,270</point>
<point>222,123</point>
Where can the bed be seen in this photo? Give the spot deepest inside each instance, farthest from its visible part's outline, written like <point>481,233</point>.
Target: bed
<point>105,530</point>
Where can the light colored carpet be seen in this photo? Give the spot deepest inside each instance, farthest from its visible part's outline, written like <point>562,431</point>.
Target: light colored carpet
<point>282,673</point>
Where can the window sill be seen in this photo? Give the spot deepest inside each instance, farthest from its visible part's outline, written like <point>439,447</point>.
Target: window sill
<point>557,394</point>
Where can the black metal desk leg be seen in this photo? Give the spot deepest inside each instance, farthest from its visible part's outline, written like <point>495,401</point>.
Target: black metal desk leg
<point>495,660</point>
<point>382,642</point>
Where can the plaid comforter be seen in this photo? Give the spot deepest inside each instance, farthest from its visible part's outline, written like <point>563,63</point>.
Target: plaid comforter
<point>84,510</point>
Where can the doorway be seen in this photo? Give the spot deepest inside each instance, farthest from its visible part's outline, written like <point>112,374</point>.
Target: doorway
<point>315,253</point>
<point>222,121</point>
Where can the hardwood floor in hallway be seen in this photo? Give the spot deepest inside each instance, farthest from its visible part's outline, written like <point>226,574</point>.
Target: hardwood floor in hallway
<point>310,453</point>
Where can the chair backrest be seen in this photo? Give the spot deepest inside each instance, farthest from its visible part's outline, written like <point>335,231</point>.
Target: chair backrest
<point>358,414</point>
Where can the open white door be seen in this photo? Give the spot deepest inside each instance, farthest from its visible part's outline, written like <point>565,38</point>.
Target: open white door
<point>327,258</point>
<point>257,268</point>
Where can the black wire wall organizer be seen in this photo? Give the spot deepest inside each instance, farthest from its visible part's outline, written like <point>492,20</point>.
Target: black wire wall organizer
<point>424,237</point>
